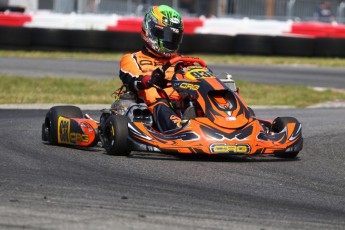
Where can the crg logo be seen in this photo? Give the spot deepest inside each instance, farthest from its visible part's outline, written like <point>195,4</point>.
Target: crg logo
<point>225,148</point>
<point>185,85</point>
<point>77,137</point>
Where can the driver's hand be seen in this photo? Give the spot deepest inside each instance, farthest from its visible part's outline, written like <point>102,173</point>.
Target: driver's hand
<point>146,81</point>
<point>157,77</point>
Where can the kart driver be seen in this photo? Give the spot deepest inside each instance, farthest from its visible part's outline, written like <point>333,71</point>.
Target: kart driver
<point>162,32</point>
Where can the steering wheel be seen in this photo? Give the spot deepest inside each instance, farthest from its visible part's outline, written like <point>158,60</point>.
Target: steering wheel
<point>187,61</point>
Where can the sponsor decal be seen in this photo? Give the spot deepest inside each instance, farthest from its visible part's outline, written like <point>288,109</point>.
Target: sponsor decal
<point>63,130</point>
<point>149,62</point>
<point>176,31</point>
<point>165,21</point>
<point>198,73</point>
<point>230,118</point>
<point>159,27</point>
<point>77,137</point>
<point>175,119</point>
<point>175,20</point>
<point>64,133</point>
<point>194,66</point>
<point>225,148</point>
<point>85,125</point>
<point>186,85</point>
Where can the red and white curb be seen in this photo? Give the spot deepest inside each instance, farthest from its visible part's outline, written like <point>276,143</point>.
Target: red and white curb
<point>220,26</point>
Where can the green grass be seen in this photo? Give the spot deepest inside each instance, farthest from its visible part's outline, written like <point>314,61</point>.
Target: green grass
<point>225,59</point>
<point>273,60</point>
<point>76,91</point>
<point>298,96</point>
<point>22,90</point>
<point>60,55</point>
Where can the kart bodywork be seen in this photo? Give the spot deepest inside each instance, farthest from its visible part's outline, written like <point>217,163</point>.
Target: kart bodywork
<point>216,120</point>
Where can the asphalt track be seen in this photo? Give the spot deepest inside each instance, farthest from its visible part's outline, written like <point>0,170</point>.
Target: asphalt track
<point>51,187</point>
<point>327,77</point>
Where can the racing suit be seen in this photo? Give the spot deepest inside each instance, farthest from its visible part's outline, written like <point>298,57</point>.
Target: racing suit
<point>134,67</point>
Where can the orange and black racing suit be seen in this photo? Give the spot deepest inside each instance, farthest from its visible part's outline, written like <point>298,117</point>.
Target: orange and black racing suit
<point>134,66</point>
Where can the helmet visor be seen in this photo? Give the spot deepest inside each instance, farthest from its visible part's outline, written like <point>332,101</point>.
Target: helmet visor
<point>170,36</point>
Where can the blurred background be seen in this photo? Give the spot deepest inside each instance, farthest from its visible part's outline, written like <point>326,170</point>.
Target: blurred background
<point>251,27</point>
<point>297,10</point>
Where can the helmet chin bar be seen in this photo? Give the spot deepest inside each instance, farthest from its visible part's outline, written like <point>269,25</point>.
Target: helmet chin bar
<point>155,49</point>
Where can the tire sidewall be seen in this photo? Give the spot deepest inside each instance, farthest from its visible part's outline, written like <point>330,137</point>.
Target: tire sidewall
<point>115,131</point>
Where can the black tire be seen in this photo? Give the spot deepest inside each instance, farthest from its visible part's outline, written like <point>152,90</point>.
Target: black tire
<point>49,39</point>
<point>253,44</point>
<point>293,46</point>
<point>15,37</point>
<point>87,40</point>
<point>280,123</point>
<point>213,44</point>
<point>51,121</point>
<point>116,41</point>
<point>329,47</point>
<point>115,135</point>
<point>277,126</point>
<point>252,113</point>
<point>45,132</point>
<point>286,155</point>
<point>187,45</point>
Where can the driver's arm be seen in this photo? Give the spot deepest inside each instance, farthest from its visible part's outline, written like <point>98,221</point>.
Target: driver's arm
<point>131,73</point>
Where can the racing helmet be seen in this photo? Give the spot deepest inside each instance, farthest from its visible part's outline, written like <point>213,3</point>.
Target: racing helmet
<point>162,30</point>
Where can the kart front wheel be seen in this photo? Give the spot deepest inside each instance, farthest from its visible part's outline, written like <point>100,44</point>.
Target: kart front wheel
<point>115,133</point>
<point>277,126</point>
<point>251,111</point>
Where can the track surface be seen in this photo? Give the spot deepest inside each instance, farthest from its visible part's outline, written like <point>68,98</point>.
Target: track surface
<point>51,187</point>
<point>296,75</point>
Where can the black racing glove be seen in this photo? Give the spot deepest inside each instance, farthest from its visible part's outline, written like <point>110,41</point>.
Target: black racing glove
<point>147,81</point>
<point>140,83</point>
<point>158,77</point>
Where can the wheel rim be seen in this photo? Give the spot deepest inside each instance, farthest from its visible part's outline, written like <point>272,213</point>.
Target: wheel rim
<point>109,134</point>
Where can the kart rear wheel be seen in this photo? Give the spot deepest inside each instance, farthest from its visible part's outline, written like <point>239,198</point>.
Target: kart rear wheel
<point>115,133</point>
<point>50,125</point>
<point>277,126</point>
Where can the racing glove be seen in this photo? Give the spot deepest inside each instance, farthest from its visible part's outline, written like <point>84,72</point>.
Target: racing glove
<point>157,77</point>
<point>147,81</point>
<point>140,83</point>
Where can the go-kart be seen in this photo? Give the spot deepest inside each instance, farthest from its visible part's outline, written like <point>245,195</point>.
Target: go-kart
<point>215,120</point>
